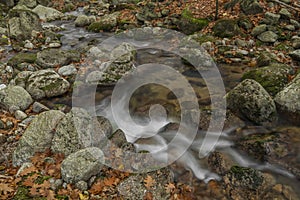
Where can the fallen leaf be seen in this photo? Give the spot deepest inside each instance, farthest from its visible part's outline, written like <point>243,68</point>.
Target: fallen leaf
<point>149,182</point>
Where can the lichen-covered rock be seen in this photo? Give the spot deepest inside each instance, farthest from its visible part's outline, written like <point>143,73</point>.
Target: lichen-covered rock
<point>268,36</point>
<point>28,3</point>
<point>226,28</point>
<point>273,78</point>
<point>15,98</point>
<point>37,137</point>
<point>251,100</point>
<point>82,20</point>
<point>295,55</point>
<point>82,165</point>
<point>259,29</point>
<point>22,58</point>
<point>251,7</point>
<point>278,148</point>
<point>133,187</point>
<point>47,14</point>
<point>56,57</point>
<point>271,18</point>
<point>106,23</point>
<point>288,100</point>
<point>220,163</point>
<point>21,24</point>
<point>46,83</point>
<point>78,130</point>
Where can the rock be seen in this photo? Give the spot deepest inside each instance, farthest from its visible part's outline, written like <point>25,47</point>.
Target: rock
<point>46,83</point>
<point>273,78</point>
<point>118,138</point>
<point>82,20</point>
<point>20,115</point>
<point>106,23</point>
<point>54,45</point>
<point>81,185</point>
<point>251,7</point>
<point>259,29</point>
<point>28,3</point>
<point>265,59</point>
<point>37,137</point>
<point>47,14</point>
<point>9,3</point>
<point>21,23</point>
<point>67,70</point>
<point>285,14</point>
<point>15,98</point>
<point>289,27</point>
<point>251,100</point>
<point>20,58</point>
<point>77,130</point>
<point>21,79</point>
<point>296,42</point>
<point>268,36</point>
<point>2,136</point>
<point>82,165</point>
<point>56,57</point>
<point>295,23</point>
<point>7,73</point>
<point>220,163</point>
<point>133,187</point>
<point>276,147</point>
<point>189,24</point>
<point>271,18</point>
<point>288,100</point>
<point>295,55</point>
<point>245,23</point>
<point>38,107</point>
<point>226,28</point>
<point>28,45</point>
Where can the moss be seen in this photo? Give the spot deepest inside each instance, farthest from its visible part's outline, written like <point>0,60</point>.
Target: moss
<point>22,194</point>
<point>22,58</point>
<point>61,197</point>
<point>201,22</point>
<point>100,26</point>
<point>188,24</point>
<point>4,41</point>
<point>205,38</point>
<point>283,47</point>
<point>41,179</point>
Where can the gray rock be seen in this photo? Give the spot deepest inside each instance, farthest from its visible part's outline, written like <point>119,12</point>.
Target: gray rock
<point>47,14</point>
<point>21,23</point>
<point>37,137</point>
<point>21,79</point>
<point>265,59</point>
<point>251,7</point>
<point>82,165</point>
<point>295,23</point>
<point>46,83</point>
<point>271,18</point>
<point>2,137</point>
<point>251,100</point>
<point>220,163</point>
<point>268,36</point>
<point>9,3</point>
<point>295,55</point>
<point>38,107</point>
<point>2,124</point>
<point>288,100</point>
<point>296,42</point>
<point>259,29</point>
<point>15,96</point>
<point>226,28</point>
<point>289,27</point>
<point>56,57</point>
<point>28,3</point>
<point>81,185</point>
<point>78,130</point>
<point>273,78</point>
<point>106,23</point>
<point>285,13</point>
<point>67,70</point>
<point>20,115</point>
<point>82,20</point>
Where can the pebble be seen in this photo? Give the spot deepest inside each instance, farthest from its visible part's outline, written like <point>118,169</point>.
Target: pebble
<point>2,86</point>
<point>54,45</point>
<point>20,115</point>
<point>67,70</point>
<point>28,45</point>
<point>9,124</point>
<point>2,138</point>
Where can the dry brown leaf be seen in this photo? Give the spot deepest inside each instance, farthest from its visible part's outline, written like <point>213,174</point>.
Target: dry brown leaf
<point>149,182</point>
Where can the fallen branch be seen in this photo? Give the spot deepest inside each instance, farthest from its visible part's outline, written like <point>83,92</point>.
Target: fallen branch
<point>286,5</point>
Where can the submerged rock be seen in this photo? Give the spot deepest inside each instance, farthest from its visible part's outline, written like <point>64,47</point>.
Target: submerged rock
<point>252,101</point>
<point>14,98</point>
<point>82,165</point>
<point>37,137</point>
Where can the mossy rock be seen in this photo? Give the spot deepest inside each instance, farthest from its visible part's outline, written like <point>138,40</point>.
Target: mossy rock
<point>99,26</point>
<point>22,58</point>
<point>188,24</point>
<point>273,78</point>
<point>226,28</point>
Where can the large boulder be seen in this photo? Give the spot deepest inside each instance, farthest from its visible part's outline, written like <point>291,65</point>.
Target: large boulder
<point>37,137</point>
<point>273,78</point>
<point>78,130</point>
<point>188,24</point>
<point>249,99</point>
<point>21,24</point>
<point>15,98</point>
<point>288,100</point>
<point>47,14</point>
<point>46,83</point>
<point>82,165</point>
<point>226,28</point>
<point>56,57</point>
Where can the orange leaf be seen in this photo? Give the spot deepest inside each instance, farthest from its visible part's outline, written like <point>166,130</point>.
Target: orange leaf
<point>149,182</point>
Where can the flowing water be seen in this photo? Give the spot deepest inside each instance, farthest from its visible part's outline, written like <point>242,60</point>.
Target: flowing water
<point>141,106</point>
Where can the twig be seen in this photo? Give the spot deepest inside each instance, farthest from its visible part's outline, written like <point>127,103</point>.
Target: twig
<point>284,4</point>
